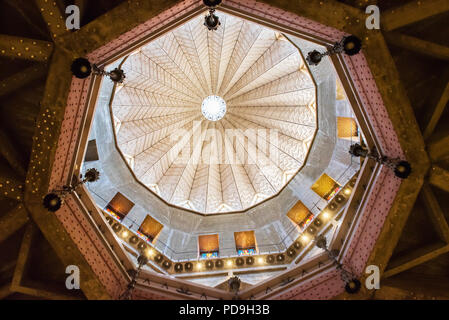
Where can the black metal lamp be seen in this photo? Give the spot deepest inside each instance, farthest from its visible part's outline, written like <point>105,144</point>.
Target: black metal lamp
<point>352,284</point>
<point>55,199</point>
<point>211,3</point>
<point>234,286</point>
<point>211,21</point>
<point>350,45</point>
<point>402,169</point>
<point>52,202</point>
<point>82,68</point>
<point>141,261</point>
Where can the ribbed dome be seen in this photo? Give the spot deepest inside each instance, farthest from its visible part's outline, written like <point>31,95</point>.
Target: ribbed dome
<point>216,166</point>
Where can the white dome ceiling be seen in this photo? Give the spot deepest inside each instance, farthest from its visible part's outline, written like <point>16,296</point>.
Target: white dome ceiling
<point>195,163</point>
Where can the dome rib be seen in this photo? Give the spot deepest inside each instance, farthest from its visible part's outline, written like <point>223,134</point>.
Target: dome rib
<point>219,166</point>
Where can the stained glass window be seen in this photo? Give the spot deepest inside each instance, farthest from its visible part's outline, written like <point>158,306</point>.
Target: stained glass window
<point>246,252</point>
<point>208,255</point>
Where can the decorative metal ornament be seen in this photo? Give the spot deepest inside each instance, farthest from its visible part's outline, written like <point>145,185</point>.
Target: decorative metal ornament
<point>211,21</point>
<point>234,284</point>
<point>91,175</point>
<point>353,286</point>
<point>178,267</point>
<point>219,264</point>
<point>82,68</point>
<point>270,259</point>
<point>350,45</point>
<point>52,202</point>
<point>188,266</point>
<point>402,169</point>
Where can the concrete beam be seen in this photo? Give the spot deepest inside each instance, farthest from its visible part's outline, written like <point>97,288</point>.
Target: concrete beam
<point>5,291</point>
<point>435,213</point>
<point>23,255</point>
<point>417,45</point>
<point>409,134</point>
<point>439,149</point>
<point>439,99</point>
<point>21,266</point>
<point>116,22</point>
<point>11,154</point>
<point>412,11</point>
<point>53,17</point>
<point>55,96</point>
<point>439,178</point>
<point>24,48</point>
<point>13,221</point>
<point>330,13</point>
<point>417,257</point>
<point>22,78</point>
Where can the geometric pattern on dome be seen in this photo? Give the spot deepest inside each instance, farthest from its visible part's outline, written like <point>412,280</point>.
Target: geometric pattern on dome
<point>242,159</point>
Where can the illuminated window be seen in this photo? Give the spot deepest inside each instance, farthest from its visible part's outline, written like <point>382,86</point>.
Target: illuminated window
<point>245,243</point>
<point>149,229</point>
<point>119,206</point>
<point>300,215</point>
<point>208,246</point>
<point>326,187</point>
<point>340,91</point>
<point>347,127</point>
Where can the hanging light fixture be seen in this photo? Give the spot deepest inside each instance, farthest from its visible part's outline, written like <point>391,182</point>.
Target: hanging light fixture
<point>82,68</point>
<point>234,285</point>
<point>127,295</point>
<point>350,45</point>
<point>54,200</point>
<point>352,284</point>
<point>402,169</point>
<point>211,21</point>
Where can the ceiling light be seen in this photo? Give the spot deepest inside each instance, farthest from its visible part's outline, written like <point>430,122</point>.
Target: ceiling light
<point>305,238</point>
<point>150,252</point>
<point>213,108</point>
<point>127,295</point>
<point>352,284</point>
<point>260,260</point>
<point>199,266</point>
<point>347,191</point>
<point>55,199</point>
<point>125,234</point>
<point>402,169</point>
<point>325,215</point>
<point>350,45</point>
<point>229,263</point>
<point>82,68</point>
